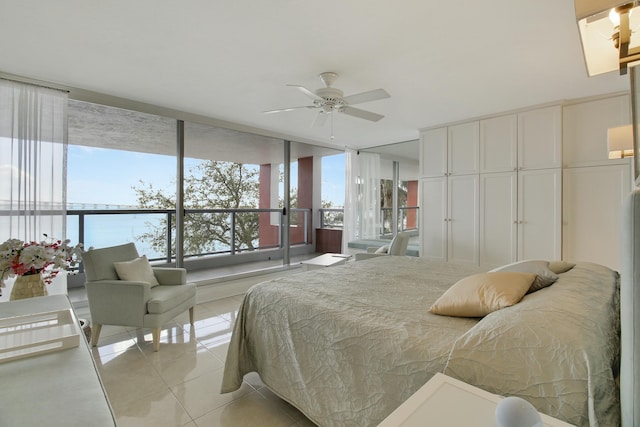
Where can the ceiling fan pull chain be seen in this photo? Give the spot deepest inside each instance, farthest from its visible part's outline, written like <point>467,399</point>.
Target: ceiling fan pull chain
<point>332,137</point>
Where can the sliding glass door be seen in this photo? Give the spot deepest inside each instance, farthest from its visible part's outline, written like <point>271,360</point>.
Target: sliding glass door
<point>231,182</point>
<point>398,188</point>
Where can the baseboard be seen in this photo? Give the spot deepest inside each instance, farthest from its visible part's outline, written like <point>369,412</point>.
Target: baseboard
<point>238,284</point>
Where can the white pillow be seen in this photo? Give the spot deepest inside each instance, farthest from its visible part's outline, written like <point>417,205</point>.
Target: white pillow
<point>136,270</point>
<point>545,277</point>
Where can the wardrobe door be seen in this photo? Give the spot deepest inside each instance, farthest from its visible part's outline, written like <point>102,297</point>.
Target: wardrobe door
<point>462,219</point>
<point>433,213</point>
<point>539,214</point>
<point>498,219</point>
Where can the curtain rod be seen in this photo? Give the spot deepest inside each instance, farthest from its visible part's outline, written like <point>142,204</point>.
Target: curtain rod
<point>34,84</point>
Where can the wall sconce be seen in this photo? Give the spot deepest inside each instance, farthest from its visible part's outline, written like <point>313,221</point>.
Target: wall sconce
<point>620,142</point>
<point>606,30</point>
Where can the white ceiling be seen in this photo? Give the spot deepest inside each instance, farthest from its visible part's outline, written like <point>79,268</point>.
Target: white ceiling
<point>230,60</point>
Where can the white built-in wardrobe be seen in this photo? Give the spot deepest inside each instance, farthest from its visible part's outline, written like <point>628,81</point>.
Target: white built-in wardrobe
<point>533,184</point>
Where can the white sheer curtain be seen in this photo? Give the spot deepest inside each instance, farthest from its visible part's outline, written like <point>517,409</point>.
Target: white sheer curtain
<point>33,162</point>
<point>362,198</point>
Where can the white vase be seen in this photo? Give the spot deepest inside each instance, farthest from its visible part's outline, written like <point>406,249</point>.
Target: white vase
<point>28,286</point>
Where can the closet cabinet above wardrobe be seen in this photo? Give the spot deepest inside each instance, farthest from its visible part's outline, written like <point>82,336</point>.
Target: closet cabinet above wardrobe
<point>594,186</point>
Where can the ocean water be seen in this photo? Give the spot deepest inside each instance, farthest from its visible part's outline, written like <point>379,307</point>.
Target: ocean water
<point>109,230</point>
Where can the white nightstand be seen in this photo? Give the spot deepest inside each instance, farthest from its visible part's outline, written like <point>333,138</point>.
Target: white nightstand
<point>448,402</point>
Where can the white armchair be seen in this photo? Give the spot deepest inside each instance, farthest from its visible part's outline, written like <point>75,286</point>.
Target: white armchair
<point>145,301</point>
<point>397,247</point>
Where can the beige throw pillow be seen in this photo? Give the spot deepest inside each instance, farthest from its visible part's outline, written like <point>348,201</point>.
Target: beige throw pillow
<point>136,270</point>
<point>483,293</point>
<point>545,277</point>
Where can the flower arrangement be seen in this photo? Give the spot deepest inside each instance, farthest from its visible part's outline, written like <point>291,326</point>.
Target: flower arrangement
<point>19,258</point>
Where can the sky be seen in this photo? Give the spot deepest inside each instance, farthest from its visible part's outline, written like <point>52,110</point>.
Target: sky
<point>102,176</point>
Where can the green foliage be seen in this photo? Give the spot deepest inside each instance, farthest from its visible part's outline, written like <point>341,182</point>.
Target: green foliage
<point>332,219</point>
<point>209,185</point>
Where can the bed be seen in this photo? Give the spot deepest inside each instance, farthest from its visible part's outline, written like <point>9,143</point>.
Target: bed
<point>348,344</point>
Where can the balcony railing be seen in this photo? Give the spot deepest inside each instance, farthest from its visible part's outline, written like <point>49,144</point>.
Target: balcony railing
<point>405,223</point>
<point>331,217</point>
<point>102,227</point>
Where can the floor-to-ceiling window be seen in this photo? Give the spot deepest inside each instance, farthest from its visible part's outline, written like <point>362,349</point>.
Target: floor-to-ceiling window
<point>332,193</point>
<point>314,171</point>
<point>125,170</point>
<point>231,194</point>
<point>121,163</point>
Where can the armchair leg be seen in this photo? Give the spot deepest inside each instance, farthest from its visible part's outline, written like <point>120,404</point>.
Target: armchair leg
<point>191,316</point>
<point>95,334</point>
<point>156,339</point>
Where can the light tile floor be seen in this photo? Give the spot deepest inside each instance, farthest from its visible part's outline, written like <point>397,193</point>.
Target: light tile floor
<point>179,385</point>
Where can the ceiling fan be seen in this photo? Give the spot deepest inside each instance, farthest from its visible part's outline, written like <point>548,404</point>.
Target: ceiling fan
<point>328,100</point>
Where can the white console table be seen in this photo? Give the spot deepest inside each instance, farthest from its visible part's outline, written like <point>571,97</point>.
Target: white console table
<point>447,402</point>
<point>325,260</point>
<point>61,388</point>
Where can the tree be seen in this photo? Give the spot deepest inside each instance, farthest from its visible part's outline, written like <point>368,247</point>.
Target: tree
<point>332,218</point>
<point>209,185</point>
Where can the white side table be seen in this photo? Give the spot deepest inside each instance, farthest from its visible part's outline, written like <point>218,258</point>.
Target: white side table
<point>447,402</point>
<point>325,260</point>
<point>57,389</point>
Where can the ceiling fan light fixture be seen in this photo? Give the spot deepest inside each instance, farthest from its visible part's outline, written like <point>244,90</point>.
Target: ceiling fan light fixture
<point>328,100</point>
<point>328,78</point>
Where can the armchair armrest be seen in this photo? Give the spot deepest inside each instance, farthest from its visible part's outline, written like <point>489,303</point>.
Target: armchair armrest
<point>371,249</point>
<point>170,275</point>
<point>364,255</point>
<point>118,302</point>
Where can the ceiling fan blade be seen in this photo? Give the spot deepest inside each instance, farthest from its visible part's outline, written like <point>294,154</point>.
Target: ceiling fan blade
<point>372,95</point>
<point>320,119</point>
<point>307,92</point>
<point>289,109</point>
<point>362,114</point>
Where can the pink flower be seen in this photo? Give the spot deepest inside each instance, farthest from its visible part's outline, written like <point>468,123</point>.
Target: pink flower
<point>18,258</point>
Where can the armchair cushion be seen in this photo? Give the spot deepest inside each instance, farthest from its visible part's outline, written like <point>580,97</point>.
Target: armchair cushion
<point>136,270</point>
<point>164,298</point>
